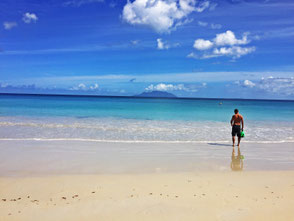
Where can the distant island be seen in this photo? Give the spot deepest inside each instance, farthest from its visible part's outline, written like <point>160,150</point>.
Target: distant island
<point>156,94</point>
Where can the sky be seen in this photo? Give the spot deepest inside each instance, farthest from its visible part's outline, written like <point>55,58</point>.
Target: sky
<point>191,48</point>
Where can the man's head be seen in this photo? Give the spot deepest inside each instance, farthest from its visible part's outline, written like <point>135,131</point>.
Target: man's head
<point>236,111</point>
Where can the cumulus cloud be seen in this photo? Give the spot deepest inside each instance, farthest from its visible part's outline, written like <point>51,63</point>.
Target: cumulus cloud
<point>235,51</point>
<point>175,87</point>
<point>229,38</point>
<point>166,87</point>
<point>83,87</point>
<point>9,25</point>
<point>163,16</point>
<point>248,83</point>
<point>162,45</point>
<point>224,44</point>
<point>29,17</point>
<point>201,44</point>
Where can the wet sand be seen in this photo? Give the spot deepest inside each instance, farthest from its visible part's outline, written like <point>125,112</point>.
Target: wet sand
<point>30,158</point>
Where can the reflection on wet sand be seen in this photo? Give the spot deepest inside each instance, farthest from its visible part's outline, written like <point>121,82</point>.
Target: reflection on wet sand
<point>237,161</point>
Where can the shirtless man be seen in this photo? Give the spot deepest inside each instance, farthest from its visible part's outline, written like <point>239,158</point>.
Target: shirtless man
<point>236,121</point>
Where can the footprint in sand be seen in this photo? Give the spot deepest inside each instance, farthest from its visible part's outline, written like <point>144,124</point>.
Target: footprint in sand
<point>64,198</point>
<point>4,200</point>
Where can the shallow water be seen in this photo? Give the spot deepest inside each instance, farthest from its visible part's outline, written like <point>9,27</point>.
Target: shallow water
<point>116,119</point>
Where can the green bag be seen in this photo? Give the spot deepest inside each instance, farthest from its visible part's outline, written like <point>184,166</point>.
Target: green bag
<point>242,134</point>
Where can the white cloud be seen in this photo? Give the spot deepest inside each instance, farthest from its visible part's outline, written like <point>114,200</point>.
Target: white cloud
<point>235,51</point>
<point>163,16</point>
<point>248,83</point>
<point>9,25</point>
<point>29,17</point>
<point>201,44</point>
<point>273,85</point>
<point>166,87</point>
<point>277,85</point>
<point>83,87</point>
<point>94,87</point>
<point>161,45</point>
<point>229,38</point>
<point>175,87</point>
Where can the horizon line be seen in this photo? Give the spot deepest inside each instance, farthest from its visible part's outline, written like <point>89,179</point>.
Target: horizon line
<point>137,96</point>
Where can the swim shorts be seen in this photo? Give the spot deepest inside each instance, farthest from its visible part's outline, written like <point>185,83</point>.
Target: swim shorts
<point>236,130</point>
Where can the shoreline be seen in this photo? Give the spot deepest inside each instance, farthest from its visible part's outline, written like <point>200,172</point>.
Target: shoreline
<point>147,141</point>
<point>29,158</point>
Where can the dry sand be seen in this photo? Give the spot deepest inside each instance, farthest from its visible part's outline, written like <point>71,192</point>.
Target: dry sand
<point>249,195</point>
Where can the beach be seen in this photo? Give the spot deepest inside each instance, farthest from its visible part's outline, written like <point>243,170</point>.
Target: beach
<point>253,195</point>
<point>92,158</point>
<point>58,180</point>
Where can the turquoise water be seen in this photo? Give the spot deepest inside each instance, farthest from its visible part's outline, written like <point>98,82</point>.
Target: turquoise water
<point>144,109</point>
<point>130,119</point>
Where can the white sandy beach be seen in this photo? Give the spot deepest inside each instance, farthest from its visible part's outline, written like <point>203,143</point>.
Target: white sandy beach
<point>70,180</point>
<point>168,196</point>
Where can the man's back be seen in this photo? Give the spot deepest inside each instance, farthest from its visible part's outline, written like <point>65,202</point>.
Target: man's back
<point>237,119</point>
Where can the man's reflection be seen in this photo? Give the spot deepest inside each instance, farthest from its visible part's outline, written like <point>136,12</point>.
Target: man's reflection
<point>237,161</point>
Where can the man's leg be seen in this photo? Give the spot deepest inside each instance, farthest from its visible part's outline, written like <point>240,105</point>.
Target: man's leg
<point>233,138</point>
<point>239,139</point>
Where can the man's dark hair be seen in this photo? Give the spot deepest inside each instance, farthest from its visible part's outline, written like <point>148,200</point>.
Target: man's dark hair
<point>236,111</point>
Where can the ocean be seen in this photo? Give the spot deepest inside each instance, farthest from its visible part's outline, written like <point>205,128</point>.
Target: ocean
<point>131,119</point>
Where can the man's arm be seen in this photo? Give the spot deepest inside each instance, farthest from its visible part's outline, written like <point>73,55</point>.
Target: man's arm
<point>232,121</point>
<point>242,123</point>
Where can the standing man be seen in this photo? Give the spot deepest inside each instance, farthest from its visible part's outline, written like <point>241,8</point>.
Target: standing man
<point>236,121</point>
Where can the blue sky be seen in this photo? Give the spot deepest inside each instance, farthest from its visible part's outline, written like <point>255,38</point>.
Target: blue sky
<point>204,48</point>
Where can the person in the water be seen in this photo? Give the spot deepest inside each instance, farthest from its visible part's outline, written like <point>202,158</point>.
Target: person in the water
<point>236,122</point>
